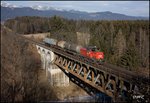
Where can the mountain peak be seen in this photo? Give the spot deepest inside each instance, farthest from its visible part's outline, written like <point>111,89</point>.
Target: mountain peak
<point>37,7</point>
<point>5,4</point>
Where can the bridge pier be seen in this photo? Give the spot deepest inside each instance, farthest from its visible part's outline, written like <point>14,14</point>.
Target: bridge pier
<point>55,76</point>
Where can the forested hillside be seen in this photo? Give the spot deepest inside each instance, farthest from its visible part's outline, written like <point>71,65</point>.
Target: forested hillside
<point>124,43</point>
<point>19,71</point>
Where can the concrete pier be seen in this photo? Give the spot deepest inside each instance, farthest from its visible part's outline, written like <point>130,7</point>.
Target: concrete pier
<point>55,76</point>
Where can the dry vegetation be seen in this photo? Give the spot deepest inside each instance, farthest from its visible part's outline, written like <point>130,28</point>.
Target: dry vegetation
<point>19,72</point>
<point>22,78</point>
<point>63,92</point>
<point>38,36</point>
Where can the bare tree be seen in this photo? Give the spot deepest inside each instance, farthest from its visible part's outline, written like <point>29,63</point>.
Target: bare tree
<point>120,43</point>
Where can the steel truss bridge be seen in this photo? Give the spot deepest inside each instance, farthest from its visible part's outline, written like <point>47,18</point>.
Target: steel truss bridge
<point>108,79</point>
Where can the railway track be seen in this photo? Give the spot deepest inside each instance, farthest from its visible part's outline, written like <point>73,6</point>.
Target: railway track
<point>132,77</point>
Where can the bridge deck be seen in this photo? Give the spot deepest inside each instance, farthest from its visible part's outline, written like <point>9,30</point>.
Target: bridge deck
<point>118,73</point>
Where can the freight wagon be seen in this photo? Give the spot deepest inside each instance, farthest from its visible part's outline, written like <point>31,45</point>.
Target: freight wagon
<point>92,51</point>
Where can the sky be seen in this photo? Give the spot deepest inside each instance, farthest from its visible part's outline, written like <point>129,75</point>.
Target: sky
<point>131,8</point>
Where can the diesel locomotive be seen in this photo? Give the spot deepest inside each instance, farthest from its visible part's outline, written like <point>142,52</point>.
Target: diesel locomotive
<point>92,51</point>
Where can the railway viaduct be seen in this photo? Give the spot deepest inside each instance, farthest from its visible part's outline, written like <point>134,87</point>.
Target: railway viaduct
<point>113,81</point>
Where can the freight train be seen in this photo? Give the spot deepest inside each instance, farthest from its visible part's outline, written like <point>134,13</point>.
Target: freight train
<point>91,52</point>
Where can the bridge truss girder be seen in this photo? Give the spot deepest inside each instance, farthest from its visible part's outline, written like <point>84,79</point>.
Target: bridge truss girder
<point>111,85</point>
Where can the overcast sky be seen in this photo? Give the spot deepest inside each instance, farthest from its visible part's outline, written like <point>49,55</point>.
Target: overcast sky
<point>132,8</point>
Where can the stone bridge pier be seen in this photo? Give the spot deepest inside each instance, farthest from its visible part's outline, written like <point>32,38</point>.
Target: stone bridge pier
<point>55,76</point>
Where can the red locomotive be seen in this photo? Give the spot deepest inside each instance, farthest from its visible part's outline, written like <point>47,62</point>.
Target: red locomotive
<point>92,52</point>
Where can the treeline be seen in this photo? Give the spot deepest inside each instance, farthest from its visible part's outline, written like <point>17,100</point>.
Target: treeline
<point>60,27</point>
<point>124,43</point>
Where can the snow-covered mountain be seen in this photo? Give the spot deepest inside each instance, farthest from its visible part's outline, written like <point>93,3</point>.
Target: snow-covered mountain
<point>5,4</point>
<point>12,11</point>
<point>36,7</point>
<point>39,7</point>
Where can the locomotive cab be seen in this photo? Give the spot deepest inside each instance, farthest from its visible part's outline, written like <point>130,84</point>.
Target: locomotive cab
<point>93,49</point>
<point>92,52</point>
